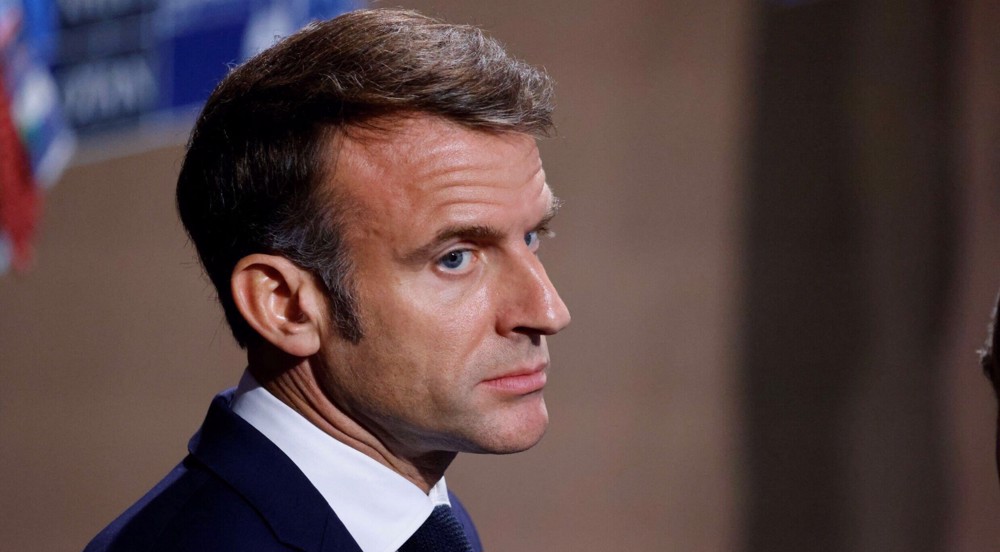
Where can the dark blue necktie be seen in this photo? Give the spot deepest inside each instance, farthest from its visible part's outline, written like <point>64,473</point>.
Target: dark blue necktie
<point>442,532</point>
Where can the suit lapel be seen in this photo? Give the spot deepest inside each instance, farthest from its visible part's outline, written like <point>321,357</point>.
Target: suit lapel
<point>237,453</point>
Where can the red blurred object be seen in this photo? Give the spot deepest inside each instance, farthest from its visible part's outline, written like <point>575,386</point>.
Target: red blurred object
<point>20,199</point>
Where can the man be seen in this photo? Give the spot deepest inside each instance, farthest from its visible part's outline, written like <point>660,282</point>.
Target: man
<point>367,198</point>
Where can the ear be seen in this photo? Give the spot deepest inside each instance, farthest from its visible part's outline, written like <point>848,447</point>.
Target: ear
<point>280,301</point>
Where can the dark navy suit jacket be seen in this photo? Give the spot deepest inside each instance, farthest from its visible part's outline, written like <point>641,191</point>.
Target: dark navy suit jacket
<point>235,491</point>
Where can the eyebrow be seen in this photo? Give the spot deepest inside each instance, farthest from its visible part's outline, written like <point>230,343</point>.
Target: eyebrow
<point>543,225</point>
<point>474,232</point>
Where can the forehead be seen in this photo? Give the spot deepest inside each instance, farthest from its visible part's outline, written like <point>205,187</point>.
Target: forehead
<point>425,165</point>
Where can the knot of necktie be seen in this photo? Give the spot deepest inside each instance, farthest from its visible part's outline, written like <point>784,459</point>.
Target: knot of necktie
<point>442,532</point>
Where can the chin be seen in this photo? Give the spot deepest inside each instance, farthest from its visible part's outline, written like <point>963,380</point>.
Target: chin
<point>515,431</point>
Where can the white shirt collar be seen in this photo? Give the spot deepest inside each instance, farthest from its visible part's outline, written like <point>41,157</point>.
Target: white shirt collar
<point>380,508</point>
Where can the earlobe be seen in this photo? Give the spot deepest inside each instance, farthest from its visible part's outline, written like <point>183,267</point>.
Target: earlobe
<point>279,301</point>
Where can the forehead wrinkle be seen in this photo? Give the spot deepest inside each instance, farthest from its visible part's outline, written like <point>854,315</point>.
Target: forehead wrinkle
<point>467,178</point>
<point>458,167</point>
<point>397,170</point>
<point>412,141</point>
<point>477,232</point>
<point>463,200</point>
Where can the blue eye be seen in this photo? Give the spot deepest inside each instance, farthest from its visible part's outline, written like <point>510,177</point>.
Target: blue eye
<point>531,240</point>
<point>455,260</point>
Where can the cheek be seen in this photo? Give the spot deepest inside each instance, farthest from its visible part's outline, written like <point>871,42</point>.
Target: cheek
<point>444,312</point>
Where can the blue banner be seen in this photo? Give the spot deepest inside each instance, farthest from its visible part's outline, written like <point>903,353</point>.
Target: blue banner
<point>118,63</point>
<point>83,68</point>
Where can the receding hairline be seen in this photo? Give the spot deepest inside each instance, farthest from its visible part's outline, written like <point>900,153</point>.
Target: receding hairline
<point>385,129</point>
<point>375,141</point>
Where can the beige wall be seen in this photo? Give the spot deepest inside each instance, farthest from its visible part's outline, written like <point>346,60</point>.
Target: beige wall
<point>111,349</point>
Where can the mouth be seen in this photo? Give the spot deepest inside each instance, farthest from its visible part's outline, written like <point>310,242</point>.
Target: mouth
<point>521,381</point>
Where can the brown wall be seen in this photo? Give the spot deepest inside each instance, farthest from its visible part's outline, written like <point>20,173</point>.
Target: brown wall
<point>970,407</point>
<point>111,349</point>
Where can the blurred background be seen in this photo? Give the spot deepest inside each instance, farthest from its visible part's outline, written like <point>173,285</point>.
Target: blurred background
<point>779,245</point>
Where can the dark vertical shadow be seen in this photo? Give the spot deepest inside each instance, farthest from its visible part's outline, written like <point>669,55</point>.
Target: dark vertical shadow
<point>804,317</point>
<point>847,258</point>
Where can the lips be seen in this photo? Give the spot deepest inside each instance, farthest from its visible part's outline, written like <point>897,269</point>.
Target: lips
<point>520,382</point>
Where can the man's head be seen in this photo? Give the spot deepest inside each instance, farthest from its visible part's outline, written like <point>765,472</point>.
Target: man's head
<point>264,145</point>
<point>367,195</point>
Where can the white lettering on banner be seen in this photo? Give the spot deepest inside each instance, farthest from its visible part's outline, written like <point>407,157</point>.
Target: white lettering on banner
<point>107,89</point>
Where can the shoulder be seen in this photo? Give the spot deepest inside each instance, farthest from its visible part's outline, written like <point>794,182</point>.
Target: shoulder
<point>466,520</point>
<point>235,491</point>
<point>190,509</point>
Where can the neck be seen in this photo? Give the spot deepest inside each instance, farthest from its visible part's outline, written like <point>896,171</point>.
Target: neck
<point>293,381</point>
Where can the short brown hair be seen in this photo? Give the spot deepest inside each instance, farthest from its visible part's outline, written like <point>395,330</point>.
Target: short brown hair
<point>261,148</point>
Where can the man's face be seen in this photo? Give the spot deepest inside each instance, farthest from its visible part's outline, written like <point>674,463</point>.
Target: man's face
<point>452,297</point>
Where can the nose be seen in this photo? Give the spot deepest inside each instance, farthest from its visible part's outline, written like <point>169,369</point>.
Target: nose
<point>533,305</point>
